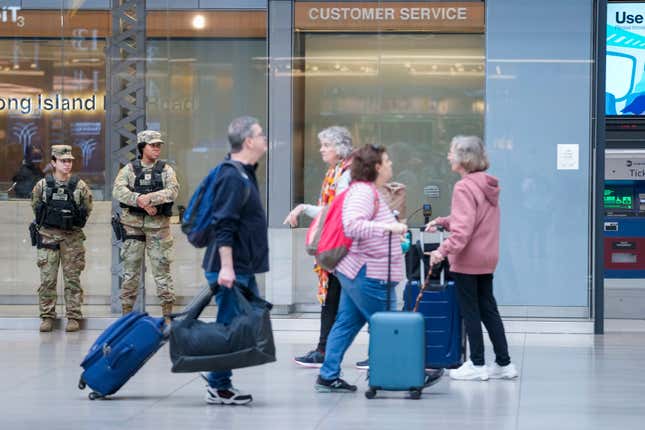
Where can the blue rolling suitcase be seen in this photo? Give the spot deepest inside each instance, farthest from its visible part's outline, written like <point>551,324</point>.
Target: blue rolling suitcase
<point>437,302</point>
<point>120,351</point>
<point>444,337</point>
<point>396,351</point>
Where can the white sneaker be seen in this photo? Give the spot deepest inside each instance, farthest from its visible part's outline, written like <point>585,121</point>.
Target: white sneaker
<point>469,372</point>
<point>495,371</point>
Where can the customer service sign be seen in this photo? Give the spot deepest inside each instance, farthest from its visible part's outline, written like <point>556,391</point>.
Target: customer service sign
<point>388,16</point>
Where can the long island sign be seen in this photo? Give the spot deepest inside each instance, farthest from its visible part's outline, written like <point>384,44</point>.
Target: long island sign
<point>457,17</point>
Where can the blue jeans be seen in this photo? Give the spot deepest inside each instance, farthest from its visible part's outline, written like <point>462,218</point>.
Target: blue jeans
<point>227,309</point>
<point>359,299</point>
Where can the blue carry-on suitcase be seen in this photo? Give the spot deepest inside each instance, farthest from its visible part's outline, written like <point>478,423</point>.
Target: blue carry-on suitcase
<point>396,350</point>
<point>444,332</point>
<point>120,351</point>
<point>396,353</point>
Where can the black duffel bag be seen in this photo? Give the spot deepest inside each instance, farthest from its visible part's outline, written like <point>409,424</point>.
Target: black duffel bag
<point>197,346</point>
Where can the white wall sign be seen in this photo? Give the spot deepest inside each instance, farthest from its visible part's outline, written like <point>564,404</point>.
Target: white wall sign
<point>568,157</point>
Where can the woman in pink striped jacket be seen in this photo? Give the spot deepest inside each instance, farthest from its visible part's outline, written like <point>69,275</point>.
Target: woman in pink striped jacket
<point>364,272</point>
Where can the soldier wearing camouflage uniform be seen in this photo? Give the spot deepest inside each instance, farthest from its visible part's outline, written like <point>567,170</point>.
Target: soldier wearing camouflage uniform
<point>61,203</point>
<point>146,189</point>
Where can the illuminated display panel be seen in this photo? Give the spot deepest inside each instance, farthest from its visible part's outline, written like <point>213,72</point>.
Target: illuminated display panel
<point>625,61</point>
<point>616,197</point>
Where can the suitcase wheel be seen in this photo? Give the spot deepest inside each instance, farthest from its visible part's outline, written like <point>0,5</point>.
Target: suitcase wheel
<point>94,395</point>
<point>415,393</point>
<point>81,384</point>
<point>371,393</point>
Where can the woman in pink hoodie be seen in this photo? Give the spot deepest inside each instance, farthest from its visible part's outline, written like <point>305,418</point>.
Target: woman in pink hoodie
<point>473,252</point>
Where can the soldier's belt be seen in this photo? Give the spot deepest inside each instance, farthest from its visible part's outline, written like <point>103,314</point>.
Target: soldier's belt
<point>139,237</point>
<point>53,246</point>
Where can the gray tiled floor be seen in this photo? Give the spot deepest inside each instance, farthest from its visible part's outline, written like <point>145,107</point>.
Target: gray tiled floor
<point>567,382</point>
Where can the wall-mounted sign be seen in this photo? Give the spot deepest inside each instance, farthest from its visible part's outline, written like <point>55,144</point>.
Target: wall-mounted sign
<point>568,156</point>
<point>88,25</point>
<point>10,14</point>
<point>624,165</point>
<point>457,17</point>
<point>29,105</point>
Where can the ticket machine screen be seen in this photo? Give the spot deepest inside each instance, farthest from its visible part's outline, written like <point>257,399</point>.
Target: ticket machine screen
<point>619,197</point>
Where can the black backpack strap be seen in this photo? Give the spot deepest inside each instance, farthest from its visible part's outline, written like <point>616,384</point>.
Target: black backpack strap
<point>136,167</point>
<point>50,184</point>
<point>240,169</point>
<point>73,182</point>
<point>159,166</point>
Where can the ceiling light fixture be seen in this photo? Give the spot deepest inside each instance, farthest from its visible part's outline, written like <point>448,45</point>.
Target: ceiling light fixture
<point>199,22</point>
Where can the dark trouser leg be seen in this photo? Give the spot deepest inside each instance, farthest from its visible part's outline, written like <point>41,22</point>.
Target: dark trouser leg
<point>469,307</point>
<point>491,319</point>
<point>227,309</point>
<point>328,311</point>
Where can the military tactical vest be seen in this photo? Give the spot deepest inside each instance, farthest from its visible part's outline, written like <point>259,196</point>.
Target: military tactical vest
<point>148,182</point>
<point>60,209</point>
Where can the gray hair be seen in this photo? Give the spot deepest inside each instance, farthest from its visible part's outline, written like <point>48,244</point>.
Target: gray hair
<point>340,137</point>
<point>239,130</point>
<point>470,153</point>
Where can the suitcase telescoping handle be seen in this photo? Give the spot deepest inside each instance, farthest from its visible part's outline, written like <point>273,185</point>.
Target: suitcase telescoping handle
<point>426,281</point>
<point>389,270</point>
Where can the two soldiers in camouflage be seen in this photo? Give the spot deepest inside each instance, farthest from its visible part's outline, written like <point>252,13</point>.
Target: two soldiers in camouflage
<point>145,188</point>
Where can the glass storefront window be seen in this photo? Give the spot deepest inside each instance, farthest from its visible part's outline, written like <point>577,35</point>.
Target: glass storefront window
<point>52,92</point>
<point>409,92</point>
<point>194,89</point>
<point>203,68</point>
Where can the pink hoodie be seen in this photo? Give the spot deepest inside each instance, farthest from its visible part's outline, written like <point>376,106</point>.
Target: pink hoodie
<point>473,245</point>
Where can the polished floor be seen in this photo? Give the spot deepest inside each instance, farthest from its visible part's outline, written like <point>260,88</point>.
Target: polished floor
<point>567,381</point>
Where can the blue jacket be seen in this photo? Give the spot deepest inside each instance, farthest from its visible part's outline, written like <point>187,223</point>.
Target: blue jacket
<point>239,222</point>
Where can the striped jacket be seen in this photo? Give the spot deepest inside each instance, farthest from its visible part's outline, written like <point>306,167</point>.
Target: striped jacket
<point>370,239</point>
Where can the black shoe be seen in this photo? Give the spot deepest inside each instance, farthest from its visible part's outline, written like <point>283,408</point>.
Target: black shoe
<point>432,377</point>
<point>363,365</point>
<point>312,359</point>
<point>333,386</point>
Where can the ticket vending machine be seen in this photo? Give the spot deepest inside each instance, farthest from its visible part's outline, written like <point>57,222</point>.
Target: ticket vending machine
<point>624,232</point>
<point>624,193</point>
<point>624,204</point>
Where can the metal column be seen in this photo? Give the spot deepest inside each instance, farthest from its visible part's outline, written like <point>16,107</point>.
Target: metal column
<point>126,109</point>
<point>598,298</point>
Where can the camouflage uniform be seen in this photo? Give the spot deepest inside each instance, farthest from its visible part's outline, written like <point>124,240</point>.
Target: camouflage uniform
<point>156,229</point>
<point>70,255</point>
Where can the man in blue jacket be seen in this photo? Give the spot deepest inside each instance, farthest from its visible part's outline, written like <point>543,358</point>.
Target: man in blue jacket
<point>239,248</point>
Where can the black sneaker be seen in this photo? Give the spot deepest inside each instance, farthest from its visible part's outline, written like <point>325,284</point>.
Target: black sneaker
<point>311,359</point>
<point>230,396</point>
<point>363,365</point>
<point>333,386</point>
